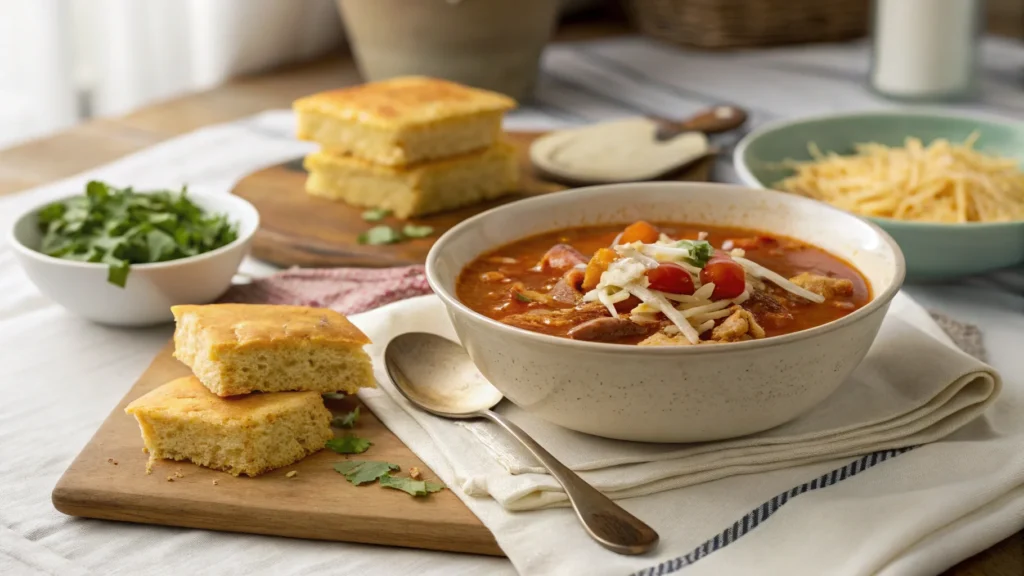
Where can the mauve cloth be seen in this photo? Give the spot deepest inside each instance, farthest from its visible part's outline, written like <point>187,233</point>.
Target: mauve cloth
<point>346,290</point>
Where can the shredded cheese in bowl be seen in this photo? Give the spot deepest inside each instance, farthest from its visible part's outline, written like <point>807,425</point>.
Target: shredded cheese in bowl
<point>941,182</point>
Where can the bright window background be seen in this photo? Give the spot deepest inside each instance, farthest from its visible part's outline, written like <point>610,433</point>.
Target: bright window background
<point>63,60</point>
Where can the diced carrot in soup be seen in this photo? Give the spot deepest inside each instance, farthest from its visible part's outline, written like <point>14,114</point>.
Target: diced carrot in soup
<point>640,231</point>
<point>597,265</point>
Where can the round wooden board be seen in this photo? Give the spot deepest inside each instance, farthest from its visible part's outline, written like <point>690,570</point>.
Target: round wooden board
<point>297,229</point>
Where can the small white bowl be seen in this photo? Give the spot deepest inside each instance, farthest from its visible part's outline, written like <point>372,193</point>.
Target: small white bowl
<point>151,289</point>
<point>669,394</point>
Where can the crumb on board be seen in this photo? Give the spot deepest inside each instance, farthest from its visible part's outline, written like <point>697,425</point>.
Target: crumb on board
<point>111,461</point>
<point>170,478</point>
<point>291,474</point>
<point>414,473</point>
<point>178,474</point>
<point>214,482</point>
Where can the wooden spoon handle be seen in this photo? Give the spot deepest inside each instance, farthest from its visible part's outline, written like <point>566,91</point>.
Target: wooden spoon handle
<point>714,120</point>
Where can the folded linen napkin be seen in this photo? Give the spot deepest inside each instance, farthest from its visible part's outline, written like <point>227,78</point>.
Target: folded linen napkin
<point>909,390</point>
<point>916,513</point>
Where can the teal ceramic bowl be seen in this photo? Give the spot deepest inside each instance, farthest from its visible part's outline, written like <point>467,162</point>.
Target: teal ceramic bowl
<point>932,251</point>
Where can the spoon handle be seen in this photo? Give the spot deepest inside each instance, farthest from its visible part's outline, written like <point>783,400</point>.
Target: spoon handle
<point>714,120</point>
<point>606,522</point>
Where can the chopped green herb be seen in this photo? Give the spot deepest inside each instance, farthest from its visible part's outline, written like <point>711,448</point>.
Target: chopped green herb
<point>380,235</point>
<point>349,444</point>
<point>120,227</point>
<point>522,297</point>
<point>333,396</point>
<point>117,273</point>
<point>376,214</point>
<point>700,251</point>
<point>346,421</point>
<point>410,486</point>
<point>361,472</point>
<point>414,231</point>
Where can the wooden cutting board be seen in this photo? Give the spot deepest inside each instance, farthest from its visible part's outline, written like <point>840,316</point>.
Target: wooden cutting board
<point>297,229</point>
<point>317,503</point>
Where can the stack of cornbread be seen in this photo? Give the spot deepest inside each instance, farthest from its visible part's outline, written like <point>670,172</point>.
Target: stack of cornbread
<point>254,400</point>
<point>410,145</point>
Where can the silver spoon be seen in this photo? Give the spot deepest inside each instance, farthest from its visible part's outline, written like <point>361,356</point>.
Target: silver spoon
<point>438,376</point>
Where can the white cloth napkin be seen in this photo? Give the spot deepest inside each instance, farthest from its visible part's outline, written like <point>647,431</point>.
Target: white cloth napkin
<point>836,493</point>
<point>887,403</point>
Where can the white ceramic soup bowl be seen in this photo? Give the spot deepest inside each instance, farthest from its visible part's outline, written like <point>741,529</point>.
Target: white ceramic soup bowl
<point>151,289</point>
<point>670,394</point>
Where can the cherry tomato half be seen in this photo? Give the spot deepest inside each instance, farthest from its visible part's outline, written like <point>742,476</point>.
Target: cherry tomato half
<point>671,278</point>
<point>729,278</point>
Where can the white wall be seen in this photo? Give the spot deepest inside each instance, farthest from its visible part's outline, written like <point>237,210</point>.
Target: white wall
<point>118,55</point>
<point>36,89</point>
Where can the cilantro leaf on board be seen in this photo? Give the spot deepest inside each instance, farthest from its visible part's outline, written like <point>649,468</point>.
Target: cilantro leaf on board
<point>349,444</point>
<point>347,420</point>
<point>414,231</point>
<point>361,472</point>
<point>120,227</point>
<point>376,214</point>
<point>380,235</point>
<point>410,486</point>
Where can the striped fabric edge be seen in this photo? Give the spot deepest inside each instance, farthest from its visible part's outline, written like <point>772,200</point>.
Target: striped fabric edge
<point>760,514</point>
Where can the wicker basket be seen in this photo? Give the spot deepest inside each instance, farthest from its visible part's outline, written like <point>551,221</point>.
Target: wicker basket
<point>740,23</point>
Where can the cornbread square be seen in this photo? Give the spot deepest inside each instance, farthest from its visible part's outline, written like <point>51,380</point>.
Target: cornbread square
<point>182,420</point>
<point>402,121</point>
<point>422,189</point>
<point>243,348</point>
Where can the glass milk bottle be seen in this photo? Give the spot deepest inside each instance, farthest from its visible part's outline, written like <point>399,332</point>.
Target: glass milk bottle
<point>925,49</point>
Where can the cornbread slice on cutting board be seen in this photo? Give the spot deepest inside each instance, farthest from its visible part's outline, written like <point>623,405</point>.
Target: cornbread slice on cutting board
<point>418,190</point>
<point>251,434</point>
<point>403,120</point>
<point>243,348</point>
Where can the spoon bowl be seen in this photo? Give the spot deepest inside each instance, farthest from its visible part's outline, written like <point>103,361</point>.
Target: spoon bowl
<point>438,376</point>
<point>446,384</point>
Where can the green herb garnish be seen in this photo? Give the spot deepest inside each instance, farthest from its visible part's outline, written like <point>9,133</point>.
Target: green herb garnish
<point>333,396</point>
<point>376,214</point>
<point>349,444</point>
<point>361,472</point>
<point>410,486</point>
<point>380,235</point>
<point>387,235</point>
<point>700,251</point>
<point>120,227</point>
<point>522,297</point>
<point>346,421</point>
<point>414,231</point>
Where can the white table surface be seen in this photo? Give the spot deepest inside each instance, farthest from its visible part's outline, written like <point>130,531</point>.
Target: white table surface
<point>60,375</point>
